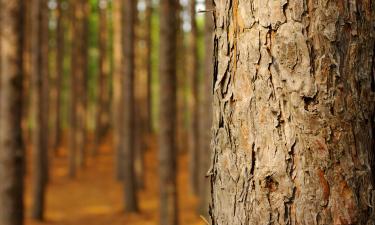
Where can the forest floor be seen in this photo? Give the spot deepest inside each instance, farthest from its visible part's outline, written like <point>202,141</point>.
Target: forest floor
<point>96,198</point>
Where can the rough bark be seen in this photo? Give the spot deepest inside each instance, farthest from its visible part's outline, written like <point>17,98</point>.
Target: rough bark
<point>205,114</point>
<point>12,151</point>
<point>193,102</point>
<point>293,112</point>
<point>41,99</point>
<point>130,190</point>
<point>167,123</point>
<point>118,90</point>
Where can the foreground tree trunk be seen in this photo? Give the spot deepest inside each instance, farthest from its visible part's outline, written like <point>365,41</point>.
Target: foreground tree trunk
<point>11,147</point>
<point>41,98</point>
<point>205,114</point>
<point>293,112</point>
<point>167,123</point>
<point>130,191</point>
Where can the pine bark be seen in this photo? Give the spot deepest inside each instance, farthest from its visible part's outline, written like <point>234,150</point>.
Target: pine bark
<point>118,90</point>
<point>41,99</point>
<point>193,102</point>
<point>205,114</point>
<point>130,182</point>
<point>11,145</point>
<point>167,123</point>
<point>293,112</point>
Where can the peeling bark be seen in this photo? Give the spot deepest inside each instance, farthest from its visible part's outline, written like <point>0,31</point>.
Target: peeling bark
<point>293,112</point>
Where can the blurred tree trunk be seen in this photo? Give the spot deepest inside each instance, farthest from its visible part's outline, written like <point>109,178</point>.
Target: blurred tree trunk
<point>193,101</point>
<point>205,114</point>
<point>118,89</point>
<point>182,82</point>
<point>102,111</point>
<point>82,62</point>
<point>41,99</point>
<point>12,152</point>
<point>294,113</point>
<point>60,52</point>
<point>148,40</point>
<point>130,190</point>
<point>167,138</point>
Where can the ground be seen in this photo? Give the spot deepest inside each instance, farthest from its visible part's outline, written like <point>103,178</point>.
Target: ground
<point>96,198</point>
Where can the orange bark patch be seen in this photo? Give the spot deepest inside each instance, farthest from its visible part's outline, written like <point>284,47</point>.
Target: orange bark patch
<point>324,184</point>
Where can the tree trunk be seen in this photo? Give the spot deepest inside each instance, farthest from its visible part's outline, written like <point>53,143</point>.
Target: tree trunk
<point>12,151</point>
<point>130,191</point>
<point>118,90</point>
<point>102,116</point>
<point>194,84</point>
<point>205,114</point>
<point>41,97</point>
<point>148,54</point>
<point>60,52</point>
<point>293,112</point>
<point>167,123</point>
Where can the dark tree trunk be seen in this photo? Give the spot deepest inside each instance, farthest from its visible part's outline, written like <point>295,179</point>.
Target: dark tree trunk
<point>205,114</point>
<point>193,100</point>
<point>130,191</point>
<point>167,123</point>
<point>41,99</point>
<point>293,112</point>
<point>12,151</point>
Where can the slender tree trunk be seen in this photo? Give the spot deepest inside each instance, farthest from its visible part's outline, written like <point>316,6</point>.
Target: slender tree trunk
<point>102,117</point>
<point>205,114</point>
<point>118,90</point>
<point>293,113</point>
<point>167,138</point>
<point>148,40</point>
<point>130,191</point>
<point>60,52</point>
<point>194,107</point>
<point>40,83</point>
<point>11,145</point>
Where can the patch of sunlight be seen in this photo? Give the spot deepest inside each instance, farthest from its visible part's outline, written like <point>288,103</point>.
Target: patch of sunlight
<point>97,209</point>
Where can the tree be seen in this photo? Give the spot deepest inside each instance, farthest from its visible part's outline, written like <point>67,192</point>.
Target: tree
<point>11,145</point>
<point>167,123</point>
<point>148,54</point>
<point>194,92</point>
<point>118,90</point>
<point>130,191</point>
<point>60,52</point>
<point>205,114</point>
<point>41,99</point>
<point>293,113</point>
<point>102,111</point>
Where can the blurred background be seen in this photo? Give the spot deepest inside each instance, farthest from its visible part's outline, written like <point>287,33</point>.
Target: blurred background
<point>91,111</point>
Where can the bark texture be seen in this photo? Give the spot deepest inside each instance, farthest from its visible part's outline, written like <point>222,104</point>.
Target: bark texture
<point>130,183</point>
<point>293,112</point>
<point>167,122</point>
<point>41,99</point>
<point>11,146</point>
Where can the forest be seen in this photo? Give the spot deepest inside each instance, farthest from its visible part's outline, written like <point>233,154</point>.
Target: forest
<point>187,112</point>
